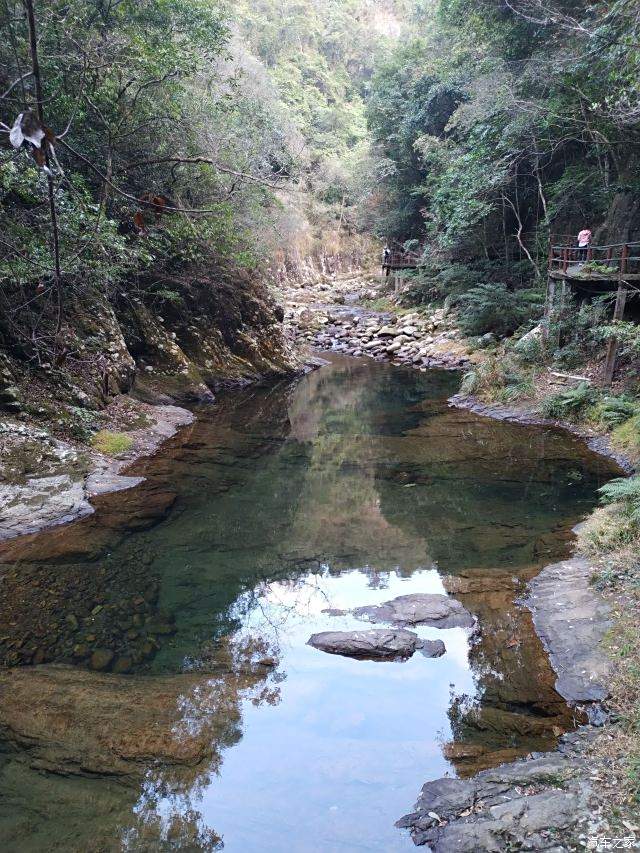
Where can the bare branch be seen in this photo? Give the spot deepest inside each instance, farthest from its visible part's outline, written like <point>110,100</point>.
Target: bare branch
<point>55,237</point>
<point>205,161</point>
<point>15,83</point>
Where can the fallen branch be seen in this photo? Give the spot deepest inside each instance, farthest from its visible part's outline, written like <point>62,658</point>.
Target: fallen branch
<point>569,376</point>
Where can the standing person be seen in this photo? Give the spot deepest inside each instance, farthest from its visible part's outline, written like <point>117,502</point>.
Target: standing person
<point>386,255</point>
<point>584,241</point>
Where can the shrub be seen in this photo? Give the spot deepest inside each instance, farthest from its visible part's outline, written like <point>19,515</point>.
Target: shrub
<point>498,379</point>
<point>571,404</point>
<point>111,443</point>
<point>624,491</point>
<point>494,308</point>
<point>613,411</point>
<point>606,530</point>
<point>627,436</point>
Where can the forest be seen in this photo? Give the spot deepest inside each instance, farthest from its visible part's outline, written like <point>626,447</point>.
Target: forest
<point>200,204</point>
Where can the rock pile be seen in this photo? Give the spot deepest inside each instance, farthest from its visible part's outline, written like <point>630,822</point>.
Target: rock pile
<point>329,318</point>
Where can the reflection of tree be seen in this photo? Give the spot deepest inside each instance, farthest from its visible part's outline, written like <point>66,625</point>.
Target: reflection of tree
<point>163,738</point>
<point>180,829</point>
<point>345,418</point>
<point>515,708</point>
<point>495,502</point>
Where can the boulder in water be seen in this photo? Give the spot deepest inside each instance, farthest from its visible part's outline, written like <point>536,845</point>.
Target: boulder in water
<point>433,609</point>
<point>432,648</point>
<point>376,644</point>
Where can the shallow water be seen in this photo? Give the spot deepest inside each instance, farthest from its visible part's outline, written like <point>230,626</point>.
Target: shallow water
<point>200,589</point>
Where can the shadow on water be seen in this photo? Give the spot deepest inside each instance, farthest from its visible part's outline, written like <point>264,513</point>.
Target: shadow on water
<point>167,632</point>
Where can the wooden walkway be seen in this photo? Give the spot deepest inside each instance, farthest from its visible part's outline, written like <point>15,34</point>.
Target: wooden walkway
<point>615,266</point>
<point>401,261</point>
<point>612,262</point>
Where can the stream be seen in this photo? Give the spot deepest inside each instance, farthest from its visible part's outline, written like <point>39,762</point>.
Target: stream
<point>158,690</point>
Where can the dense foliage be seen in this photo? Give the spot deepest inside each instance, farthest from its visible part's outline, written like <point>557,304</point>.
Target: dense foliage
<point>505,121</point>
<point>178,131</point>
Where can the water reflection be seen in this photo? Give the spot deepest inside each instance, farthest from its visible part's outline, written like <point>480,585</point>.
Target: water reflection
<point>193,710</point>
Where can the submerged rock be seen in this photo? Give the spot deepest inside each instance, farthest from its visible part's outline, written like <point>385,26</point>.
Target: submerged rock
<point>101,659</point>
<point>433,609</point>
<point>378,643</point>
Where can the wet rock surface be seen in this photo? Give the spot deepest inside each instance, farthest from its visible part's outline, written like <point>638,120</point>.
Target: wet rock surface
<point>433,609</point>
<point>571,618</point>
<point>534,804</point>
<point>376,644</point>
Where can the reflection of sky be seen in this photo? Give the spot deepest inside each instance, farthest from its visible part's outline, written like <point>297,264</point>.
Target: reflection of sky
<point>347,733</point>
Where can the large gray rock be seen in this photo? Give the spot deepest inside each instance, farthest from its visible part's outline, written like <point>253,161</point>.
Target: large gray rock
<point>571,618</point>
<point>528,804</point>
<point>378,643</point>
<point>440,611</point>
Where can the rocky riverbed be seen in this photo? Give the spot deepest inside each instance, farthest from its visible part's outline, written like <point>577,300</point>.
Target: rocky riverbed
<point>47,481</point>
<point>338,315</point>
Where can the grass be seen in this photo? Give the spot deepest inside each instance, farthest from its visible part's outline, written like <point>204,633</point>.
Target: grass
<point>626,437</point>
<point>499,379</point>
<point>111,443</point>
<point>611,540</point>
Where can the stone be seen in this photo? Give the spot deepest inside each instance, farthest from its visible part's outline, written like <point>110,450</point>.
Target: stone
<point>486,340</point>
<point>122,664</point>
<point>571,618</point>
<point>504,808</point>
<point>530,339</point>
<point>432,648</point>
<point>377,643</point>
<point>101,659</point>
<point>434,609</point>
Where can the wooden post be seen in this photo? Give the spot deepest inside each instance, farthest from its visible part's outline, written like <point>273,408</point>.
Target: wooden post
<point>563,291</point>
<point>551,292</point>
<point>548,307</point>
<point>618,313</point>
<point>624,255</point>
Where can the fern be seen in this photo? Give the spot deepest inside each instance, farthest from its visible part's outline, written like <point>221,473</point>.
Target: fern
<point>613,411</point>
<point>569,404</point>
<point>493,308</point>
<point>624,491</point>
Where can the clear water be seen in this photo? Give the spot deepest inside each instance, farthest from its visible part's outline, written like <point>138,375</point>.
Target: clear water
<point>346,487</point>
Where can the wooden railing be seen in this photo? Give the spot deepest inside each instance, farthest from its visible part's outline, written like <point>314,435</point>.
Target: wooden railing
<point>615,261</point>
<point>401,260</point>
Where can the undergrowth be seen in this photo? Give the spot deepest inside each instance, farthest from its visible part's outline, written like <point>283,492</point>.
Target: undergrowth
<point>500,380</point>
<point>611,539</point>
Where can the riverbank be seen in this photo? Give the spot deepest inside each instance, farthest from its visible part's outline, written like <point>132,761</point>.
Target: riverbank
<point>595,797</point>
<point>48,481</point>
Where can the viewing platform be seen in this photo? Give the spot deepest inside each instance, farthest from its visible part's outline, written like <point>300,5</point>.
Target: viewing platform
<point>596,270</point>
<point>610,263</point>
<point>402,261</point>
